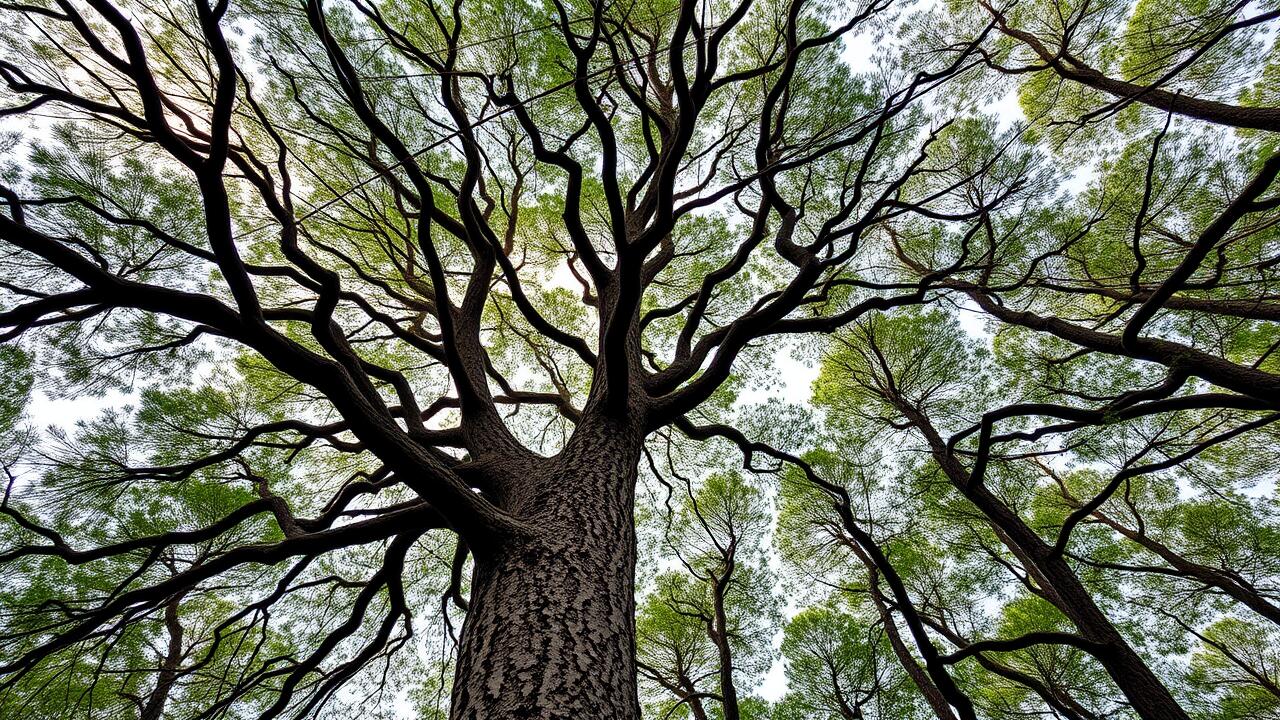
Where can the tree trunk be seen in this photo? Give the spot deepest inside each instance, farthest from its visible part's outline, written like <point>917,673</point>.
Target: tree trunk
<point>168,675</point>
<point>720,637</point>
<point>550,632</point>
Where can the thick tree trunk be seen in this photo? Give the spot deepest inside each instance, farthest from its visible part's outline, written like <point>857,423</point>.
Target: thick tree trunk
<point>550,632</point>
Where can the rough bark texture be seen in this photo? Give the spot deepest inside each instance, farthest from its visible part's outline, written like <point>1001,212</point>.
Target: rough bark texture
<point>550,633</point>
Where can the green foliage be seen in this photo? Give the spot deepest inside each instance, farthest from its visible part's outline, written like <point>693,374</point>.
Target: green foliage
<point>1235,666</point>
<point>383,317</point>
<point>719,606</point>
<point>837,664</point>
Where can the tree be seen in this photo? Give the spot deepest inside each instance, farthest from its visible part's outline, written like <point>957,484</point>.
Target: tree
<point>840,668</point>
<point>705,631</point>
<point>388,301</point>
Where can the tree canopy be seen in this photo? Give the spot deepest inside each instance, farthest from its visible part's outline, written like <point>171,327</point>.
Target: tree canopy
<point>733,359</point>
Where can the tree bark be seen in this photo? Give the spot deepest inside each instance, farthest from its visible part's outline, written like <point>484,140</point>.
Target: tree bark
<point>720,637</point>
<point>550,633</point>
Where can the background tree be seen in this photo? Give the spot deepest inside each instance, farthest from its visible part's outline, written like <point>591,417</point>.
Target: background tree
<point>705,631</point>
<point>837,667</point>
